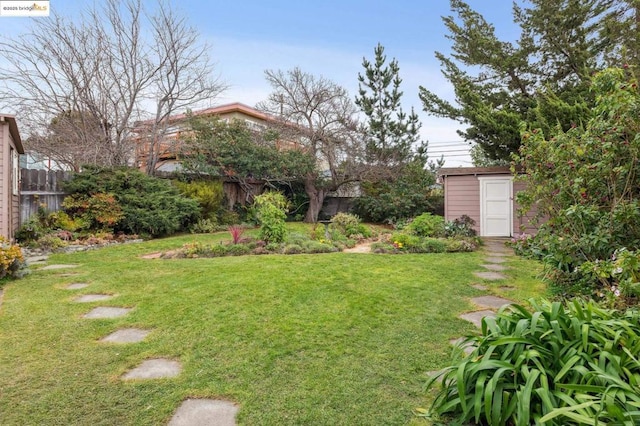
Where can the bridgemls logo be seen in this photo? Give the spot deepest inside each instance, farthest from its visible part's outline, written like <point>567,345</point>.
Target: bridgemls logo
<point>24,8</point>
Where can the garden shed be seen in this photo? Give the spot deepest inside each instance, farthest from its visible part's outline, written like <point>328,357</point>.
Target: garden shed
<point>10,150</point>
<point>487,195</point>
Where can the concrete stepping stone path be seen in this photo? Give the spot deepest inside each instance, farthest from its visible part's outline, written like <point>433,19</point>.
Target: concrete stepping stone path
<point>127,335</point>
<point>159,368</point>
<point>54,267</point>
<point>492,302</point>
<point>106,312</point>
<point>88,298</point>
<point>491,276</point>
<point>495,268</point>
<point>35,259</point>
<point>476,317</point>
<point>495,259</point>
<point>497,254</point>
<point>76,286</point>
<point>205,412</point>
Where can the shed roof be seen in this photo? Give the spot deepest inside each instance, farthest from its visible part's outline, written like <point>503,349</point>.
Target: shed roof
<point>13,130</point>
<point>474,171</point>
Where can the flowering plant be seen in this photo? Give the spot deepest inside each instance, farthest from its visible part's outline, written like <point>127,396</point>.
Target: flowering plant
<point>619,275</point>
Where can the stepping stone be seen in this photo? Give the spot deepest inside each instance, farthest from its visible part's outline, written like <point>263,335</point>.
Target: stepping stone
<point>154,369</point>
<point>495,259</point>
<point>493,267</point>
<point>491,302</point>
<point>506,287</point>
<point>496,254</point>
<point>36,259</point>
<point>76,286</point>
<point>52,267</point>
<point>87,298</point>
<point>476,317</point>
<point>491,276</point>
<point>467,349</point>
<point>479,287</point>
<point>203,412</point>
<point>126,335</point>
<point>107,312</point>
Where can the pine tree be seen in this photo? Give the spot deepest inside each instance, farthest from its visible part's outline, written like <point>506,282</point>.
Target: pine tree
<point>392,134</point>
<point>542,78</point>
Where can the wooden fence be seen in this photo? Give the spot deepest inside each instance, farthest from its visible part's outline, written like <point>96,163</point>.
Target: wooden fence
<point>41,188</point>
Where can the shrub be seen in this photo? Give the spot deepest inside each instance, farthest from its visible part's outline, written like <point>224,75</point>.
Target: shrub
<point>51,242</point>
<point>11,259</point>
<point>427,225</point>
<point>405,241</point>
<point>204,226</point>
<point>236,233</point>
<point>30,230</point>
<point>431,245</point>
<point>349,225</point>
<point>405,195</point>
<point>209,196</point>
<point>293,249</point>
<point>271,208</point>
<point>312,246</point>
<point>557,365</point>
<point>238,250</point>
<point>460,227</point>
<point>150,206</point>
<point>93,212</point>
<point>585,181</point>
<point>460,245</point>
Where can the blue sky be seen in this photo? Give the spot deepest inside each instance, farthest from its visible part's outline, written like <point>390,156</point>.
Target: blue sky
<point>327,38</point>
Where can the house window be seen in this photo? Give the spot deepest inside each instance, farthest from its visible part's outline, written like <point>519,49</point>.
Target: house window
<point>15,172</point>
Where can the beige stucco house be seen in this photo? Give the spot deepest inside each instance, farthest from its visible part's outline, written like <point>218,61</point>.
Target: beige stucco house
<point>10,150</point>
<point>169,146</point>
<point>487,195</point>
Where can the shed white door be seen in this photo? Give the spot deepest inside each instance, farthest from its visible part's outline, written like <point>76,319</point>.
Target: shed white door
<point>496,206</point>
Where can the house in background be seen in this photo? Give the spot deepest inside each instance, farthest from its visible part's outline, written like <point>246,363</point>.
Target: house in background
<point>487,195</point>
<point>170,144</point>
<point>11,148</point>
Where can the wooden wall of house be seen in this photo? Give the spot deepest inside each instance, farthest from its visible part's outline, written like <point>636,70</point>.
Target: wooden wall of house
<point>5,141</point>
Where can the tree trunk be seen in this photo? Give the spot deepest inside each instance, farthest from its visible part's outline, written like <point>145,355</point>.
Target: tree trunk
<point>316,199</point>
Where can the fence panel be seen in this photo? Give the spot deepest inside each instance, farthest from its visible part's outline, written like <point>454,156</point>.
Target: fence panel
<point>41,188</point>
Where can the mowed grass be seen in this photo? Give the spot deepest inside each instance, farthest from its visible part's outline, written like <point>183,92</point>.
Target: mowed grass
<point>331,339</point>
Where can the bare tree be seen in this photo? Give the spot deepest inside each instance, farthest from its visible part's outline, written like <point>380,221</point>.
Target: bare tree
<point>184,78</point>
<point>106,69</point>
<point>323,118</point>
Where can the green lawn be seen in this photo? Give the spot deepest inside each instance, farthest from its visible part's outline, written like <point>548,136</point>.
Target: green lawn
<point>331,339</point>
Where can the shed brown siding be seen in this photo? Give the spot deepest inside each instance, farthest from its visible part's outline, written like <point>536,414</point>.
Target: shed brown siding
<point>462,197</point>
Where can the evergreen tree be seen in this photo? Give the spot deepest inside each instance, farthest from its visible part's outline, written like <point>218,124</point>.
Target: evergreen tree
<point>543,78</point>
<point>391,133</point>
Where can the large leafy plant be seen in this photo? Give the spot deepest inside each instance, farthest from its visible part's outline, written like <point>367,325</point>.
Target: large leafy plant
<point>272,214</point>
<point>557,365</point>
